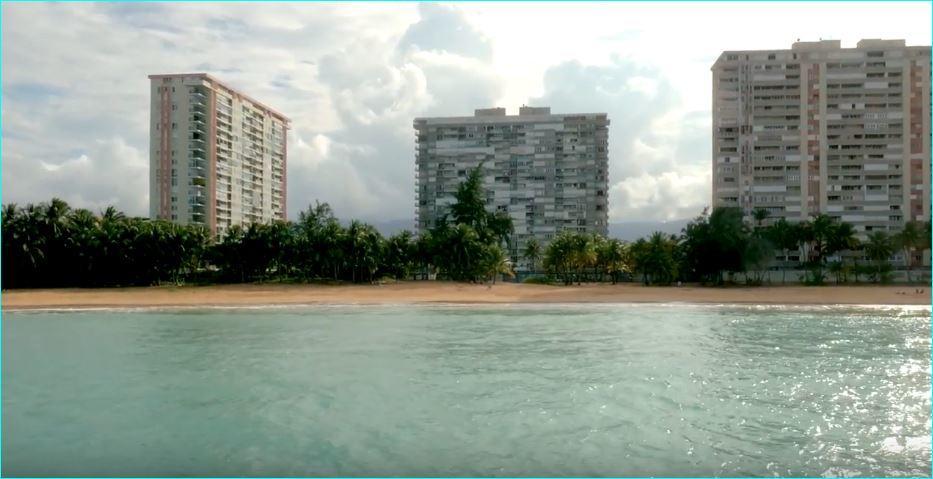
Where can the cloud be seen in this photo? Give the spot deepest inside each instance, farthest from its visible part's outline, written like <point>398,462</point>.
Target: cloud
<point>376,89</point>
<point>353,76</point>
<point>108,172</point>
<point>351,79</point>
<point>444,29</point>
<point>656,156</point>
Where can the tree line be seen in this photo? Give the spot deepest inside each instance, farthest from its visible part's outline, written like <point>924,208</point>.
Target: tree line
<point>54,245</point>
<point>718,245</point>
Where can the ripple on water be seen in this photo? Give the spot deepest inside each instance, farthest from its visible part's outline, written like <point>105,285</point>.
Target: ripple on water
<point>618,390</point>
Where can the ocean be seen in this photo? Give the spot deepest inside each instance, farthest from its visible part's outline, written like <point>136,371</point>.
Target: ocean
<point>469,390</point>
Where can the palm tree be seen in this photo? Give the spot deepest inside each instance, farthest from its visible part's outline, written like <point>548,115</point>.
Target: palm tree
<point>81,245</point>
<point>496,263</point>
<point>760,214</point>
<point>909,239</point>
<point>822,231</point>
<point>842,238</point>
<point>559,256</point>
<point>784,236</point>
<point>758,253</point>
<point>654,258</point>
<point>14,253</point>
<point>583,254</point>
<point>55,214</point>
<point>532,253</point>
<point>824,238</point>
<point>399,255</point>
<point>463,254</point>
<point>879,249</point>
<point>639,257</point>
<point>363,244</point>
<point>612,256</point>
<point>112,214</point>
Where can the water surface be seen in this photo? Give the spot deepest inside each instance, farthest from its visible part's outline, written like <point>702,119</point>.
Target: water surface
<point>590,390</point>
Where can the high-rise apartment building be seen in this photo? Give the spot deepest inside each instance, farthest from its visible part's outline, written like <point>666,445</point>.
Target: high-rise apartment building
<point>549,172</point>
<point>216,156</point>
<point>824,129</point>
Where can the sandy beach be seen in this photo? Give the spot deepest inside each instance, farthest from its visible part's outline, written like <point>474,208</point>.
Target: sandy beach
<point>443,292</point>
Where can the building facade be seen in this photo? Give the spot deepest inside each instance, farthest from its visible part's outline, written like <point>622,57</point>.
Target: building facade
<point>549,172</point>
<point>216,156</point>
<point>823,129</point>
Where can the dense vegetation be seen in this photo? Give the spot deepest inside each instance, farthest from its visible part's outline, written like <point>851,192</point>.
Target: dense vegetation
<point>718,245</point>
<point>53,245</point>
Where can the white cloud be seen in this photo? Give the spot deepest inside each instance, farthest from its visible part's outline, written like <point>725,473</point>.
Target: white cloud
<point>353,76</point>
<point>109,172</point>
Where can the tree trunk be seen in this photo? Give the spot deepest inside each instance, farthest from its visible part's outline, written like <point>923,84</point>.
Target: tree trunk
<point>907,262</point>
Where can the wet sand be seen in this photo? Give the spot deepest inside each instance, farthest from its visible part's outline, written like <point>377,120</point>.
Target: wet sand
<point>445,292</point>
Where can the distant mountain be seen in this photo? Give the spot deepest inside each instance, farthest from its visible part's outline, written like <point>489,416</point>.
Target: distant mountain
<point>626,230</point>
<point>632,230</point>
<point>390,227</point>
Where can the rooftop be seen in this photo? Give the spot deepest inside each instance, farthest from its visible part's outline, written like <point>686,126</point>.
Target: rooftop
<point>525,113</point>
<point>217,81</point>
<point>833,45</point>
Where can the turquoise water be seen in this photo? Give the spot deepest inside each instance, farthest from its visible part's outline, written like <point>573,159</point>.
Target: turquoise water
<point>444,390</point>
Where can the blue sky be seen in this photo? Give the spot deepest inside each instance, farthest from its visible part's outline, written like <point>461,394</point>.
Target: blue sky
<point>353,76</point>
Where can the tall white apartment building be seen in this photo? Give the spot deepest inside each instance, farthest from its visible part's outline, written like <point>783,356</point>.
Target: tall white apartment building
<point>549,172</point>
<point>823,129</point>
<point>216,156</point>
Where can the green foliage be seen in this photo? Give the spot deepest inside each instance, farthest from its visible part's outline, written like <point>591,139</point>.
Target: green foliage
<point>914,237</point>
<point>822,237</point>
<point>572,257</point>
<point>757,256</point>
<point>760,214</point>
<point>717,243</point>
<point>532,253</point>
<point>470,248</point>
<point>654,259</point>
<point>785,237</point>
<point>400,255</point>
<point>613,258</point>
<point>879,249</point>
<point>51,245</point>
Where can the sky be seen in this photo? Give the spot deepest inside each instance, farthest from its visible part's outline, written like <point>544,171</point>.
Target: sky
<point>353,76</point>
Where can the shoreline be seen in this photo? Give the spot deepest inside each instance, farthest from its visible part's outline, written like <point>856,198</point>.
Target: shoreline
<point>439,292</point>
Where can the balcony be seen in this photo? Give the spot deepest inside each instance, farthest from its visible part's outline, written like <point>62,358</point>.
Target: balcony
<point>197,108</point>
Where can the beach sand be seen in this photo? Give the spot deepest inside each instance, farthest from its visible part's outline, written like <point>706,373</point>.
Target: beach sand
<point>445,292</point>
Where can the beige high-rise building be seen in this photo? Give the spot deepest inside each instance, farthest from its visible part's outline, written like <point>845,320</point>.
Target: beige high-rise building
<point>548,172</point>
<point>216,156</point>
<point>823,129</point>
